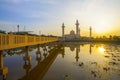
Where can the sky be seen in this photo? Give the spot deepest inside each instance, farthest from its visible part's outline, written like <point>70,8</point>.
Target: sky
<point>47,16</point>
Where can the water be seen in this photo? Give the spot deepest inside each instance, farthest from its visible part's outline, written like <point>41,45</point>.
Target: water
<point>67,61</point>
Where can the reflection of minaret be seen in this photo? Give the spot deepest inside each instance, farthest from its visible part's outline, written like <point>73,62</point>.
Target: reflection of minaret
<point>77,53</point>
<point>27,58</point>
<point>63,52</point>
<point>3,70</point>
<point>63,29</point>
<point>90,32</point>
<point>77,29</point>
<point>90,48</point>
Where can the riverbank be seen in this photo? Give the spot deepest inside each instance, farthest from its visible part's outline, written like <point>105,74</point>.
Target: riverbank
<point>93,41</point>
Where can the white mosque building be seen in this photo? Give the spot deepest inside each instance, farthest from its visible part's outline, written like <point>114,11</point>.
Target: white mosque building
<point>72,34</point>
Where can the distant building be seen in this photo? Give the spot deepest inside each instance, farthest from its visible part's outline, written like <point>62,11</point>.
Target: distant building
<point>63,30</point>
<point>77,29</point>
<point>72,34</point>
<point>90,32</point>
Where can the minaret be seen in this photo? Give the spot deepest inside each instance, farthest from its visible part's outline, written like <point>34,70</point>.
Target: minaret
<point>18,27</point>
<point>63,28</point>
<point>77,28</point>
<point>79,31</point>
<point>90,32</point>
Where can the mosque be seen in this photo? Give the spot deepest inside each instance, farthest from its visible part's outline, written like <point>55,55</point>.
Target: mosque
<point>72,34</point>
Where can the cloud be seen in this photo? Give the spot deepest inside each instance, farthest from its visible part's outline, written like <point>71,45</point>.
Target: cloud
<point>7,26</point>
<point>12,26</point>
<point>7,22</point>
<point>51,13</point>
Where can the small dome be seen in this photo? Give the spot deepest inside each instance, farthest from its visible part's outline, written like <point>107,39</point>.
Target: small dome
<point>72,32</point>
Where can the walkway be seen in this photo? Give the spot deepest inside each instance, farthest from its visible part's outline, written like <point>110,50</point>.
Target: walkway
<point>9,41</point>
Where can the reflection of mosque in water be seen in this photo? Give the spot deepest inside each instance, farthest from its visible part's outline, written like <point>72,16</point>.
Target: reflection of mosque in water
<point>45,56</point>
<point>77,48</point>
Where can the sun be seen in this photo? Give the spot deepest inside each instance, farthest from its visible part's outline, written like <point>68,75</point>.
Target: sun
<point>101,49</point>
<point>102,24</point>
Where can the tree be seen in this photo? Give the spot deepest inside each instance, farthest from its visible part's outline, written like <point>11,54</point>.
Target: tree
<point>1,31</point>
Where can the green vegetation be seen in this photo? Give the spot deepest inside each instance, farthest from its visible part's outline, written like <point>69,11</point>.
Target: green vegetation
<point>26,33</point>
<point>48,35</point>
<point>97,39</point>
<point>3,32</point>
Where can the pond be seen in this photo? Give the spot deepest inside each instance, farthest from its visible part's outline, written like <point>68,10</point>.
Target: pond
<point>63,61</point>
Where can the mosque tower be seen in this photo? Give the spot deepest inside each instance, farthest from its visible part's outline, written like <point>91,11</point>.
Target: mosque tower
<point>63,30</point>
<point>79,32</point>
<point>77,29</point>
<point>90,31</point>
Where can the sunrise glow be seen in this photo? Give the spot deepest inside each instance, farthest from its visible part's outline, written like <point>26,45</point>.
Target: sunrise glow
<point>101,49</point>
<point>47,16</point>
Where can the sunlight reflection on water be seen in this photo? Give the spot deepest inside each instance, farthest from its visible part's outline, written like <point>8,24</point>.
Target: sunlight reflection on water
<point>101,49</point>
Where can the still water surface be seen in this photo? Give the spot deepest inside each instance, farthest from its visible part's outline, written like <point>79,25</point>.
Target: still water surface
<point>67,61</point>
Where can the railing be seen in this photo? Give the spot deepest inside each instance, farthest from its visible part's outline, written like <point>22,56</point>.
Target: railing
<point>8,41</point>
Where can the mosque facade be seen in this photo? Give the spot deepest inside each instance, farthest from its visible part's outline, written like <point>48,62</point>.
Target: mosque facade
<point>72,33</point>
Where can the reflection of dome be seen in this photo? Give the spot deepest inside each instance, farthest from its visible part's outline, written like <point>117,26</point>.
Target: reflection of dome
<point>72,32</point>
<point>72,48</point>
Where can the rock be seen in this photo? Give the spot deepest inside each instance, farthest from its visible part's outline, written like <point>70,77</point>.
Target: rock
<point>81,64</point>
<point>106,68</point>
